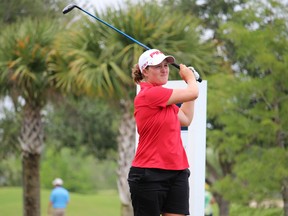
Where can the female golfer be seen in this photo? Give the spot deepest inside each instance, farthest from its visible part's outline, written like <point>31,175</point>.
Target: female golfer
<point>158,177</point>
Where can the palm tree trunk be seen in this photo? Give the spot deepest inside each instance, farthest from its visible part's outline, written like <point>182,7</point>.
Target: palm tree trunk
<point>285,196</point>
<point>126,151</point>
<point>31,184</point>
<point>31,141</point>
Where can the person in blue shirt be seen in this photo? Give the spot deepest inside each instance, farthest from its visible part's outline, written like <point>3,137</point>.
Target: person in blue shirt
<point>59,198</point>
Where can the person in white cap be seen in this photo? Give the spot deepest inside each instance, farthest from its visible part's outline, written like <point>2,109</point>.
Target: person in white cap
<point>158,177</point>
<point>59,198</point>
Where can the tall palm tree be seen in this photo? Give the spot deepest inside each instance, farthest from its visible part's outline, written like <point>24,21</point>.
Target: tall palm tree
<point>101,59</point>
<point>24,50</point>
<point>94,68</point>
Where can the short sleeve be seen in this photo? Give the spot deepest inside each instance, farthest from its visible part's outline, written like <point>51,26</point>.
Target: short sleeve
<point>158,96</point>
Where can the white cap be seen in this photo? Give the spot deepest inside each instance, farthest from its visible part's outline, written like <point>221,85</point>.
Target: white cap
<point>57,181</point>
<point>153,57</point>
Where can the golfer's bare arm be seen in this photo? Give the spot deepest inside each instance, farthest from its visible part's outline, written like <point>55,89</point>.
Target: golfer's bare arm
<point>185,96</point>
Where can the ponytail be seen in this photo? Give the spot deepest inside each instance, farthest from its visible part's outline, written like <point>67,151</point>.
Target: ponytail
<point>136,74</point>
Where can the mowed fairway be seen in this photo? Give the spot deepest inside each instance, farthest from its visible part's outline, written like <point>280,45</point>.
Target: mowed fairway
<point>101,203</point>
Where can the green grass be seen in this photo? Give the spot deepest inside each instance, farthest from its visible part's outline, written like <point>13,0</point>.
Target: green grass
<point>101,203</point>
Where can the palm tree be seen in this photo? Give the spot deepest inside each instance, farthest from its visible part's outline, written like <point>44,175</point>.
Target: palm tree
<point>24,50</point>
<point>92,58</point>
<point>100,60</point>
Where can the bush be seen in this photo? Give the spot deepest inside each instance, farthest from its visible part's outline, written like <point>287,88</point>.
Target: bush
<point>10,171</point>
<point>80,174</point>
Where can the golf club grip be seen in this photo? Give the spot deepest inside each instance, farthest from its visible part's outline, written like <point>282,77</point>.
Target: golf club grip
<point>178,67</point>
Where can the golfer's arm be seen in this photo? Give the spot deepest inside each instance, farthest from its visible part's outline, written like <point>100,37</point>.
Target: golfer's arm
<point>187,97</point>
<point>186,113</point>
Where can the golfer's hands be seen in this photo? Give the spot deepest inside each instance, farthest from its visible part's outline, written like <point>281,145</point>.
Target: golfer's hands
<point>196,74</point>
<point>186,74</point>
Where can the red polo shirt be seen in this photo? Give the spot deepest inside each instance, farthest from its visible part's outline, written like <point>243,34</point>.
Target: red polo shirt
<point>160,145</point>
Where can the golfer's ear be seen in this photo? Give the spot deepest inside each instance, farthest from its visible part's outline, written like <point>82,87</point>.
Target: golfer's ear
<point>145,71</point>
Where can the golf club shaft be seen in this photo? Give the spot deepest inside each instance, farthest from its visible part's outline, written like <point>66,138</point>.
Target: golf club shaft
<point>70,7</point>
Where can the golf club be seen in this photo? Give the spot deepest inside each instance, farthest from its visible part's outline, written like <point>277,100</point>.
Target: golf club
<point>70,7</point>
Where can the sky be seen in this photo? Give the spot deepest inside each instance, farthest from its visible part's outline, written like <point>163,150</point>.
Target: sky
<point>100,5</point>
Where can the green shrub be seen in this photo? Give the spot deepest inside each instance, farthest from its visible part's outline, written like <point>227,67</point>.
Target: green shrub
<point>80,174</point>
<point>10,171</point>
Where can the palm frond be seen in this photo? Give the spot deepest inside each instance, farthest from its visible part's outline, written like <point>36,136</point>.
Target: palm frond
<point>24,50</point>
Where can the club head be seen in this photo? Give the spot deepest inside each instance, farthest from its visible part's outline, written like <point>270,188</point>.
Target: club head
<point>68,8</point>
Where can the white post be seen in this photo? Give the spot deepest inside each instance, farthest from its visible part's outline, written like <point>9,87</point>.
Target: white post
<point>194,141</point>
<point>196,151</point>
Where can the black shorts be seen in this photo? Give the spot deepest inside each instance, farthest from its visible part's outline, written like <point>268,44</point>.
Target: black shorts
<point>157,191</point>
